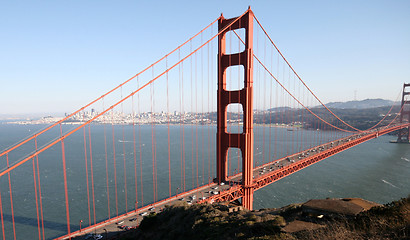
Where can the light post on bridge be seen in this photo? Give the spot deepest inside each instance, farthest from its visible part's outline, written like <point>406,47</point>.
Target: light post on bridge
<point>177,191</point>
<point>80,224</point>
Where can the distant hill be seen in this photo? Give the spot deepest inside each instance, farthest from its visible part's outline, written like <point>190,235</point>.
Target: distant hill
<point>362,104</point>
<point>279,109</point>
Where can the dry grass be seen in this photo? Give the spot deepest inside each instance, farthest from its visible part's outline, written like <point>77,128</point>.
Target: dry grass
<point>391,221</point>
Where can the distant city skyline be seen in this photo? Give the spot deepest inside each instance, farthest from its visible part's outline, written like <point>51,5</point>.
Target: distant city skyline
<point>58,56</point>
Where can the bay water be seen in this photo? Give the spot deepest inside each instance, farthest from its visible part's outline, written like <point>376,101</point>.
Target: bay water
<point>376,170</point>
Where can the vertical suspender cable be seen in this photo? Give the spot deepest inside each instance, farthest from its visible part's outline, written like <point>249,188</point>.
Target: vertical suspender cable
<point>297,119</point>
<point>11,199</point>
<point>295,133</point>
<point>302,122</point>
<point>209,111</point>
<point>115,163</point>
<point>140,147</point>
<point>154,141</point>
<point>2,220</point>
<point>212,99</point>
<point>86,175</point>
<point>181,97</point>
<point>312,122</point>
<point>192,127</point>
<point>196,112</point>
<point>135,153</point>
<point>202,112</point>
<point>169,139</point>
<point>65,181</point>
<point>92,171</point>
<point>39,191</point>
<point>183,127</point>
<point>275,150</point>
<point>289,119</point>
<point>282,117</point>
<point>152,137</point>
<point>106,165</point>
<point>270,112</point>
<point>124,158</point>
<point>35,193</point>
<point>265,108</point>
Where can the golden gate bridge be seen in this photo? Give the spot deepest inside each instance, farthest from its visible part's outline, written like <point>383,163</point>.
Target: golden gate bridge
<point>219,117</point>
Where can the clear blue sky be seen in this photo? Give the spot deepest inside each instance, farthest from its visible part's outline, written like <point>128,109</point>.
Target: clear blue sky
<point>56,56</point>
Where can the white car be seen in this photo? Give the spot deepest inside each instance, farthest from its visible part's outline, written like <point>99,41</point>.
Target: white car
<point>89,236</point>
<point>98,236</point>
<point>94,236</point>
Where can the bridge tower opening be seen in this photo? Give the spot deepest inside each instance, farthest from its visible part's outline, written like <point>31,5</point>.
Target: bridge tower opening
<point>403,136</point>
<point>244,96</point>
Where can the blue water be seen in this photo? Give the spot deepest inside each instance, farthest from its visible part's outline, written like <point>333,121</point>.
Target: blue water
<point>376,170</point>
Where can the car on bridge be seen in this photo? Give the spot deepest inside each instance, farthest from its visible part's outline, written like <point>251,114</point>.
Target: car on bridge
<point>93,236</point>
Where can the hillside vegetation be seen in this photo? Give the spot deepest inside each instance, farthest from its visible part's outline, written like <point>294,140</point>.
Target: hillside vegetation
<point>391,221</point>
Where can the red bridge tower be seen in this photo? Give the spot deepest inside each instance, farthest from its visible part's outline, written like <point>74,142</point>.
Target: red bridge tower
<point>403,136</point>
<point>244,140</point>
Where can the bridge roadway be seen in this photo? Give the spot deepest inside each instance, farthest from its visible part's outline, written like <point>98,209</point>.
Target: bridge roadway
<point>232,190</point>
